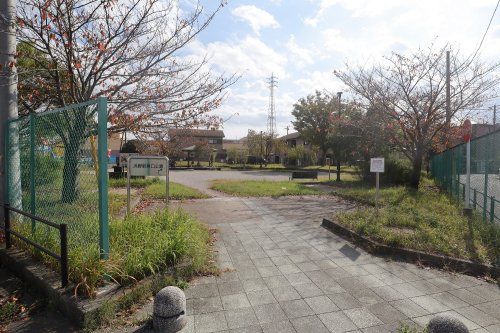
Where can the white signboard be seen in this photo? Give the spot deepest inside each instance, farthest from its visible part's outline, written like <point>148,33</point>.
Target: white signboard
<point>124,158</point>
<point>377,164</point>
<point>147,166</point>
<point>140,166</point>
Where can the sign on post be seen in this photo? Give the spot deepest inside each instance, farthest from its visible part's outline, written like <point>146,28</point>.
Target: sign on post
<point>377,165</point>
<point>123,158</point>
<point>147,166</point>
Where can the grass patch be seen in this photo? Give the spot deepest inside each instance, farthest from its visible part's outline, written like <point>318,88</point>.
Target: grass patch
<point>116,202</point>
<point>177,191</point>
<point>141,245</point>
<point>426,220</point>
<point>261,188</point>
<point>134,182</point>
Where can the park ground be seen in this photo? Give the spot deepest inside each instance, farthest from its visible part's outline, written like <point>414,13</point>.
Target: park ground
<point>283,272</point>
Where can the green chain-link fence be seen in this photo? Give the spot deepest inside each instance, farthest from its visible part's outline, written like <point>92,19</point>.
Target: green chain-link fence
<point>57,170</point>
<point>449,169</point>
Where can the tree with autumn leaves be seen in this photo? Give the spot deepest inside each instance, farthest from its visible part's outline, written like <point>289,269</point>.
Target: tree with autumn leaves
<point>409,92</point>
<point>129,51</point>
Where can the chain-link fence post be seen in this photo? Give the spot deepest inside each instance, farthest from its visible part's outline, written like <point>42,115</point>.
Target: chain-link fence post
<point>32,177</point>
<point>102,137</point>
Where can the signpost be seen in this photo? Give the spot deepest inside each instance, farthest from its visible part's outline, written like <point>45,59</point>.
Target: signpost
<point>377,166</point>
<point>328,162</point>
<point>467,133</point>
<point>147,166</point>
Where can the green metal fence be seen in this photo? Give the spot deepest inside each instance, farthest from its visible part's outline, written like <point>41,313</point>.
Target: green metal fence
<point>449,170</point>
<point>57,169</point>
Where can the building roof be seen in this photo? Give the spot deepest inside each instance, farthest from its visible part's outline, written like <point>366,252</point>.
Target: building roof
<point>195,132</point>
<point>293,135</point>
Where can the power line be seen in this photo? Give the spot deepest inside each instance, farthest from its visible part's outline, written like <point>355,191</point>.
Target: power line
<point>486,31</point>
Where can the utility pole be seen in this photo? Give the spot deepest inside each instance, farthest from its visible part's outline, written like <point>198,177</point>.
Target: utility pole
<point>287,129</point>
<point>339,95</point>
<point>8,105</point>
<point>448,103</point>
<point>494,117</point>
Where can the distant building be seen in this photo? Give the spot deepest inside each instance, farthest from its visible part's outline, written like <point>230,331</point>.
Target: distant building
<point>188,140</point>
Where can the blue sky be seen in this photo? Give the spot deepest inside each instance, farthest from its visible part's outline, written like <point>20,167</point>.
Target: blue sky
<point>303,42</point>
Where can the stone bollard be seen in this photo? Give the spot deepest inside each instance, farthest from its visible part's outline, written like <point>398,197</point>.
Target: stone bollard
<point>169,310</point>
<point>446,324</point>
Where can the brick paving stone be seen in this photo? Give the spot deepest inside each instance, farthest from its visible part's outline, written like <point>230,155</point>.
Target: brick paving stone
<point>309,324</point>
<point>337,322</point>
<point>276,281</point>
<point>467,296</point>
<point>491,308</point>
<point>308,266</point>
<point>280,261</point>
<point>366,296</point>
<point>253,284</point>
<point>268,271</point>
<point>388,293</point>
<point>289,269</point>
<point>486,291</point>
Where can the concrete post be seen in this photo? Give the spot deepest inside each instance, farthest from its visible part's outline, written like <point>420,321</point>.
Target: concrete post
<point>8,105</point>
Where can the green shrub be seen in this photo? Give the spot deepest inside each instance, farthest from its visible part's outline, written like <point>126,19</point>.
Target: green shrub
<point>397,171</point>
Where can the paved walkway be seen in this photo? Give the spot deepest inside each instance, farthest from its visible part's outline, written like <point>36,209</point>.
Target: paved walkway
<point>285,273</point>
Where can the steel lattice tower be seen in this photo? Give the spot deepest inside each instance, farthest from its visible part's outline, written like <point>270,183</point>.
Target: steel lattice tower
<point>271,117</point>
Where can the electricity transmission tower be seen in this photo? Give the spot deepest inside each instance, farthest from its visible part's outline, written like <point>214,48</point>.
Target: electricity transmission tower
<point>271,117</point>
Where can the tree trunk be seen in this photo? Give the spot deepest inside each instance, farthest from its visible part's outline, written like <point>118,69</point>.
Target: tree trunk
<point>71,156</point>
<point>417,168</point>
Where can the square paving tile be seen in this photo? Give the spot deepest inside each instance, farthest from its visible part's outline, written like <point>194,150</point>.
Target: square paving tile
<point>309,324</point>
<point>253,284</point>
<point>268,313</point>
<point>230,287</point>
<point>345,301</point>
<point>308,290</point>
<point>387,313</point>
<point>321,304</point>
<point>286,293</point>
<point>297,278</point>
<point>337,322</point>
<point>289,269</point>
<point>210,322</point>
<point>430,304</point>
<point>409,308</point>
<point>202,290</point>
<point>278,327</point>
<point>239,318</point>
<point>260,297</point>
<point>235,301</point>
<point>276,281</point>
<point>206,305</point>
<point>296,308</point>
<point>479,317</point>
<point>362,318</point>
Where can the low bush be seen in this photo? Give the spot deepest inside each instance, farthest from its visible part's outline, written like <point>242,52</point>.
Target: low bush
<point>140,245</point>
<point>426,220</point>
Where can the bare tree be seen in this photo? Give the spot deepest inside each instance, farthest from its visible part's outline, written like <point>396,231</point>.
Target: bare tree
<point>127,50</point>
<point>410,90</point>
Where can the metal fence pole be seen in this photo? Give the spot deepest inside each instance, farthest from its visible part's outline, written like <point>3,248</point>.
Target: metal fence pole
<point>32,171</point>
<point>6,215</point>
<point>485,194</point>
<point>63,233</point>
<point>102,137</point>
<point>474,200</point>
<point>492,209</point>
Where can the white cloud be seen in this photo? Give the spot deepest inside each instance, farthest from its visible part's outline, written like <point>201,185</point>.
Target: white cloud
<point>300,56</point>
<point>248,56</point>
<point>256,17</point>
<point>319,80</point>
